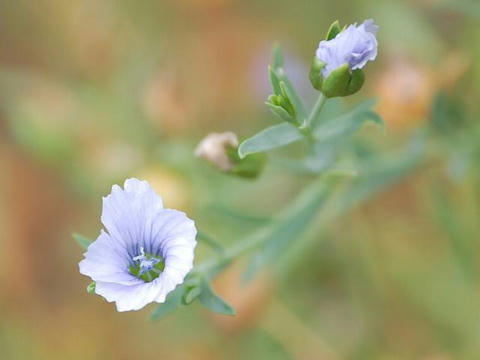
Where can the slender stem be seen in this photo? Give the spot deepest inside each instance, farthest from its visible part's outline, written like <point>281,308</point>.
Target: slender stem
<point>315,111</point>
<point>310,197</point>
<point>232,252</point>
<point>258,237</point>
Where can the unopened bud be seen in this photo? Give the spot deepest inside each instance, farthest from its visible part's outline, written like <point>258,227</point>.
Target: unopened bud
<point>214,148</point>
<point>221,150</point>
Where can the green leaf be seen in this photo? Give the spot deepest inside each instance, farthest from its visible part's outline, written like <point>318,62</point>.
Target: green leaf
<point>274,81</point>
<point>348,123</point>
<point>323,156</point>
<point>172,302</point>
<point>334,30</point>
<point>214,302</point>
<point>277,58</point>
<point>81,240</point>
<point>270,138</point>
<point>191,294</point>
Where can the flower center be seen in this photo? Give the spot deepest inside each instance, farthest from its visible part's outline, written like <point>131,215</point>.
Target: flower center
<point>146,266</point>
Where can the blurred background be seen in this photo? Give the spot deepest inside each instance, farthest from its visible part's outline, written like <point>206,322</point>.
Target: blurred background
<point>93,92</point>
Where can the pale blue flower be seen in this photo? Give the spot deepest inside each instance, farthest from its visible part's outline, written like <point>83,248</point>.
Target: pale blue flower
<point>355,46</point>
<point>146,250</point>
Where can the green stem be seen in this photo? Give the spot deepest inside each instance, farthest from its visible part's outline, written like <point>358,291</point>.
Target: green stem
<point>258,237</point>
<point>232,252</point>
<point>315,111</point>
<point>313,194</point>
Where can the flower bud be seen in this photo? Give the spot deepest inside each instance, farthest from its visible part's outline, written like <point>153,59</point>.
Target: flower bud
<point>221,150</point>
<point>336,68</point>
<point>213,148</point>
<point>280,102</point>
<point>316,73</point>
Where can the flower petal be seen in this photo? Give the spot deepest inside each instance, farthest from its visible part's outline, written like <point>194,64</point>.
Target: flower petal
<point>127,297</point>
<point>108,261</point>
<point>356,45</point>
<point>168,228</point>
<point>128,214</point>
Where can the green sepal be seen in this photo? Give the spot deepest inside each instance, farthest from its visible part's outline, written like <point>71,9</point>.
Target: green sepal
<point>337,82</point>
<point>316,73</point>
<point>343,82</point>
<point>250,166</point>
<point>91,287</point>
<point>357,79</point>
<point>333,30</point>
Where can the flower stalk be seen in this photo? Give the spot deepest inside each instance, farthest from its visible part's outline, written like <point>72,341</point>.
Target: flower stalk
<point>312,193</point>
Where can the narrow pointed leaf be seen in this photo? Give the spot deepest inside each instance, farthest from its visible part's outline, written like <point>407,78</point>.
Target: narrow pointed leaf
<point>280,112</point>
<point>274,81</point>
<point>270,138</point>
<point>191,295</point>
<point>214,302</point>
<point>348,123</point>
<point>277,58</point>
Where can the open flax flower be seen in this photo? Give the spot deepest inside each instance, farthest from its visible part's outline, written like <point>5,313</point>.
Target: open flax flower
<point>146,251</point>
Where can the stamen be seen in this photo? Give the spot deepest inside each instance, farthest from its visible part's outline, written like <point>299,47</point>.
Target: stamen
<point>141,256</point>
<point>146,267</point>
